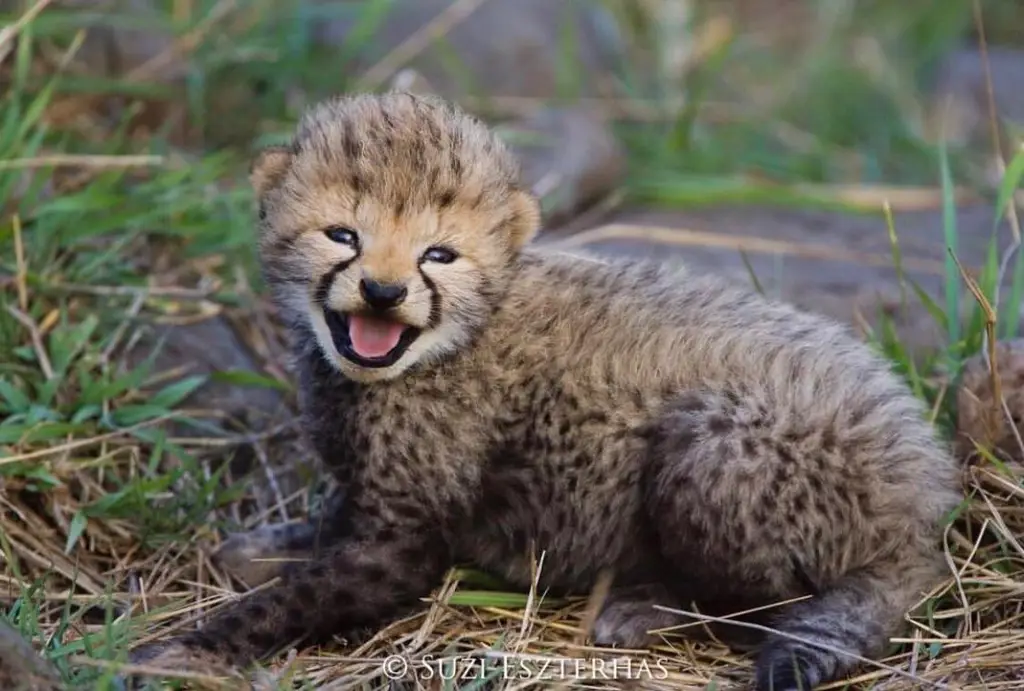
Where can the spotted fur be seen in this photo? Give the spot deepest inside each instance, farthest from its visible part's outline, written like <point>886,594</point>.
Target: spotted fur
<point>704,444</point>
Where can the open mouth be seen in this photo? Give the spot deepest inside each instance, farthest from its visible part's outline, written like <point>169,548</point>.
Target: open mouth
<point>369,341</point>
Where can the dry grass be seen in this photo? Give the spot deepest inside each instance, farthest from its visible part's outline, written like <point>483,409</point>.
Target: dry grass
<point>968,635</point>
<point>112,505</point>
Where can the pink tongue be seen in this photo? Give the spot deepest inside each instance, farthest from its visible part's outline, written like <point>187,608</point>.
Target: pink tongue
<point>372,338</point>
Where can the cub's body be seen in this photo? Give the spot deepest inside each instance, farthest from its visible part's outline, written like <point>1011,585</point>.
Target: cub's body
<point>550,418</point>
<point>483,401</point>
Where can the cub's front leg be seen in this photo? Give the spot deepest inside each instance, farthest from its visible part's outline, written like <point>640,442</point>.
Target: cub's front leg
<point>395,552</point>
<point>262,554</point>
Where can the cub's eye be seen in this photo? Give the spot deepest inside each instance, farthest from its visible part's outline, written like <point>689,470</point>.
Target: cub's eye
<point>441,255</point>
<point>342,236</point>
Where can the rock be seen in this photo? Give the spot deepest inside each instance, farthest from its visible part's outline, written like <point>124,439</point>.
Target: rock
<point>959,102</point>
<point>570,158</point>
<point>482,48</point>
<point>215,345</point>
<point>116,49</point>
<point>500,47</point>
<point>962,77</point>
<point>205,348</point>
<point>980,420</point>
<point>125,40</point>
<point>506,47</point>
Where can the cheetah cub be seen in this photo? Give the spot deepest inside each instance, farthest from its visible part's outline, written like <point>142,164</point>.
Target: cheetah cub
<point>481,400</point>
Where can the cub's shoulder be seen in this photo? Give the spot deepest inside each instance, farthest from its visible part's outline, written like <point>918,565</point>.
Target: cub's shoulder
<point>552,270</point>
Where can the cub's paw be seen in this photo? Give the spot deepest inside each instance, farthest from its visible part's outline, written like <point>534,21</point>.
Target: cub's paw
<point>174,659</point>
<point>784,668</point>
<point>263,554</point>
<point>245,556</point>
<point>627,622</point>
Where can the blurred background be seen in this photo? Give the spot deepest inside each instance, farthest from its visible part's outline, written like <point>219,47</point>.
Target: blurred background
<point>785,89</point>
<point>637,112</point>
<point>828,152</point>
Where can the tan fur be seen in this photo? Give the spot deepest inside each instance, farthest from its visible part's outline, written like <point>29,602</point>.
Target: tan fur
<point>703,443</point>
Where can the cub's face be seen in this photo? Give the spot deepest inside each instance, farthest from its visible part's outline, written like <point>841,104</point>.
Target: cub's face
<point>389,229</point>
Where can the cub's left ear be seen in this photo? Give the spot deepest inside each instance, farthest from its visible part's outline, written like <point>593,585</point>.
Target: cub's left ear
<point>525,221</point>
<point>268,168</point>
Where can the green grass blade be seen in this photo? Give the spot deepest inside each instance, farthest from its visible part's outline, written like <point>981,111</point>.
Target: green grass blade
<point>1010,184</point>
<point>1010,314</point>
<point>953,278</point>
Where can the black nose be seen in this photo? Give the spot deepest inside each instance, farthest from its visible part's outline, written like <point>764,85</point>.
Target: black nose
<point>382,295</point>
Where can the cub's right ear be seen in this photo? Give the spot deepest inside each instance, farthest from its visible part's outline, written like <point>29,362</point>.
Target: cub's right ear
<point>268,168</point>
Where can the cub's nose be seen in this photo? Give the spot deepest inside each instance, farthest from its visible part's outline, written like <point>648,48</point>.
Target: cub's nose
<point>382,295</point>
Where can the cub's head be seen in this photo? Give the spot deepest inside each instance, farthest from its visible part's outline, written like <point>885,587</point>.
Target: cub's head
<point>389,228</point>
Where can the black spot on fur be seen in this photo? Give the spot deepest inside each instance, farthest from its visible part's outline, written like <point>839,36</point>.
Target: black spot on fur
<point>283,245</point>
<point>294,616</point>
<point>358,184</point>
<point>202,642</point>
<point>455,164</point>
<point>419,154</point>
<point>351,145</point>
<point>804,578</point>
<point>375,574</point>
<point>719,424</point>
<point>342,600</point>
<point>262,641</point>
<point>305,594</point>
<point>445,199</point>
<point>256,611</point>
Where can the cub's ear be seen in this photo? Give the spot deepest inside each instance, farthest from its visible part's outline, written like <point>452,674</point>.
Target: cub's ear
<point>268,168</point>
<point>526,218</point>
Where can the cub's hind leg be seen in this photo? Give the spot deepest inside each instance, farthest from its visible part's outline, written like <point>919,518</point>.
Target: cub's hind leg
<point>753,506</point>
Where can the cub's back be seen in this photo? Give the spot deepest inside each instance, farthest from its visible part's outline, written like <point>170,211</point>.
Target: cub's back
<point>634,334</point>
<point>654,325</point>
